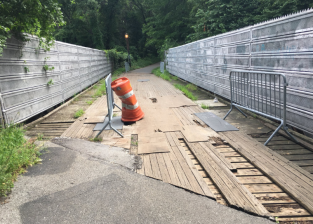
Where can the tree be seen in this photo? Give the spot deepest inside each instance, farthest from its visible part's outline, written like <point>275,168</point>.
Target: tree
<point>36,17</point>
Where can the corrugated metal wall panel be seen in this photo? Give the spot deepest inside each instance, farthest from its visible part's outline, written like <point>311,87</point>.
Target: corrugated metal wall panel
<point>282,45</point>
<point>23,81</point>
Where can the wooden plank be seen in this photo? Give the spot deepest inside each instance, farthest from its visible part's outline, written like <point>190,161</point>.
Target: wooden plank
<point>187,170</point>
<point>196,174</point>
<point>236,194</point>
<point>274,198</point>
<point>147,166</point>
<point>209,148</point>
<point>155,167</point>
<point>195,133</point>
<point>299,157</point>
<point>275,138</point>
<point>304,163</point>
<point>300,141</point>
<point>254,180</point>
<point>243,165</point>
<point>163,169</point>
<point>275,147</point>
<point>287,175</point>
<point>286,210</point>
<point>308,168</point>
<point>179,171</point>
<point>293,152</point>
<point>171,170</point>
<point>264,188</point>
<point>248,172</point>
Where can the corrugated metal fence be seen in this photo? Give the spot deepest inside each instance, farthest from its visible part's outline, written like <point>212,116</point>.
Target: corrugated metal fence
<point>27,89</point>
<point>282,45</point>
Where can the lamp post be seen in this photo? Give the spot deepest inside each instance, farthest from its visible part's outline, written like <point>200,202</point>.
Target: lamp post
<point>126,37</point>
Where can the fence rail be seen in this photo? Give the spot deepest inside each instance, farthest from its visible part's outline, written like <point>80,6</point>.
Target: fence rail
<point>261,92</point>
<point>33,80</point>
<point>283,45</point>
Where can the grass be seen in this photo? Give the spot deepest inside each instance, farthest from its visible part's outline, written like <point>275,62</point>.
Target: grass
<point>191,87</point>
<point>185,91</point>
<point>89,102</point>
<point>96,139</point>
<point>40,136</point>
<point>166,75</point>
<point>79,113</point>
<point>203,106</point>
<point>100,90</point>
<point>16,154</point>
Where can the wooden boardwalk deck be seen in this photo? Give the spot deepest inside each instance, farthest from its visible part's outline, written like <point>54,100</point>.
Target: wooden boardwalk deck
<point>230,172</point>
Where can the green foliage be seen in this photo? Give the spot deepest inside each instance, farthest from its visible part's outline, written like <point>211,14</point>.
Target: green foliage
<point>26,69</point>
<point>166,75</point>
<point>185,91</point>
<point>50,83</point>
<point>16,154</point>
<point>96,139</point>
<point>79,113</point>
<point>191,87</point>
<point>221,16</point>
<point>47,68</point>
<point>40,136</point>
<point>203,106</point>
<point>37,17</point>
<point>89,102</point>
<point>100,90</point>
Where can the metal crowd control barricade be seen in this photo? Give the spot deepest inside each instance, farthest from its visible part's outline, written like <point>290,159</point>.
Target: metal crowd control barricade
<point>111,105</point>
<point>260,92</point>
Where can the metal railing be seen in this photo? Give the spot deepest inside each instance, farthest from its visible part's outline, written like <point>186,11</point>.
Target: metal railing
<point>111,105</point>
<point>260,92</point>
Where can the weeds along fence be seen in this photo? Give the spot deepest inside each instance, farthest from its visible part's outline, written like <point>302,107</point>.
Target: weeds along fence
<point>283,45</point>
<point>33,80</point>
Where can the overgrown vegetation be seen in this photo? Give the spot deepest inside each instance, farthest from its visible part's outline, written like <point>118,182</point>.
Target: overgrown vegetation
<point>16,154</point>
<point>185,91</point>
<point>79,113</point>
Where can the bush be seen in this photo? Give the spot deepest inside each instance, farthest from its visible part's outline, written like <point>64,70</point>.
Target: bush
<point>16,154</point>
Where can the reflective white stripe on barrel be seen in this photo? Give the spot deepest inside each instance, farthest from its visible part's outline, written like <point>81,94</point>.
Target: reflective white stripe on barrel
<point>130,107</point>
<point>127,95</point>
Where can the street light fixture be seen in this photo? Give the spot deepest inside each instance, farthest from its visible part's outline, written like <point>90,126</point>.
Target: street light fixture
<point>126,37</point>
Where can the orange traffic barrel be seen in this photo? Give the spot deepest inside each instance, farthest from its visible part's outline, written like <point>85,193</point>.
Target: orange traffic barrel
<point>131,110</point>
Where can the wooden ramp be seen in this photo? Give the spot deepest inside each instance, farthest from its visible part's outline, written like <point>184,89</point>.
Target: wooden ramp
<point>176,147</point>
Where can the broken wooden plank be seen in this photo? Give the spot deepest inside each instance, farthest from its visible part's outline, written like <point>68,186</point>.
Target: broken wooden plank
<point>236,194</point>
<point>209,148</point>
<point>287,175</point>
<point>195,172</point>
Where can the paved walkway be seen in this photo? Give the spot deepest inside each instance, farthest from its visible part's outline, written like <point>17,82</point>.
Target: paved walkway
<point>72,186</point>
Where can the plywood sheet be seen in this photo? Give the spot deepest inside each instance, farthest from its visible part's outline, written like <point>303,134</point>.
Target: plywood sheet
<point>94,119</point>
<point>153,143</point>
<point>196,133</point>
